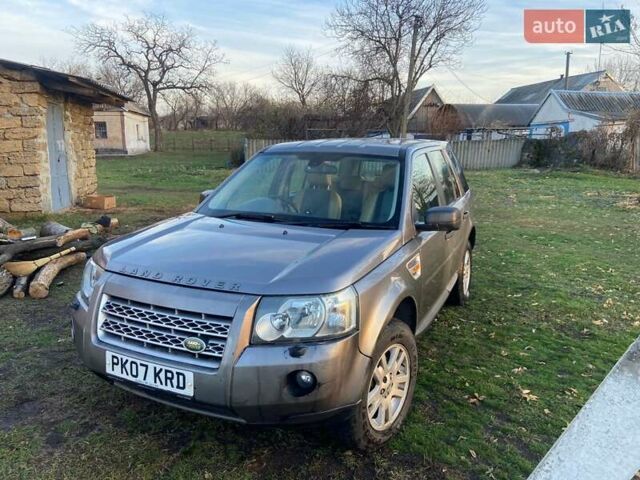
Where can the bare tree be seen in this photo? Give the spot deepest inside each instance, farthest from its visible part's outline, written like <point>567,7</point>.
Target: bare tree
<point>162,56</point>
<point>68,65</point>
<point>297,72</point>
<point>396,42</point>
<point>352,100</point>
<point>624,68</point>
<point>175,103</point>
<point>231,99</point>
<point>119,78</point>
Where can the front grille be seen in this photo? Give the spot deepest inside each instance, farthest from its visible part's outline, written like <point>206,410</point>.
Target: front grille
<point>161,331</point>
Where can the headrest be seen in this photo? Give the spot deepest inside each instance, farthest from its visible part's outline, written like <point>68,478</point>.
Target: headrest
<point>388,177</point>
<point>319,179</point>
<point>350,182</point>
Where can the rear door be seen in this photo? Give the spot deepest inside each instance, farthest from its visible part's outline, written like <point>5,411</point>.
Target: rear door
<point>451,194</point>
<point>431,245</point>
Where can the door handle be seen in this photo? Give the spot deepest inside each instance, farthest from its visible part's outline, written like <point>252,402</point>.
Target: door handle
<point>466,213</point>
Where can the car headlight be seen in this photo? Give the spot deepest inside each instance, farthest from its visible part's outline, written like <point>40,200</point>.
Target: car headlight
<point>92,273</point>
<point>281,319</point>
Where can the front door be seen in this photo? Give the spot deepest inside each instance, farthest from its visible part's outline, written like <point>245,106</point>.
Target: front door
<point>60,189</point>
<point>431,245</point>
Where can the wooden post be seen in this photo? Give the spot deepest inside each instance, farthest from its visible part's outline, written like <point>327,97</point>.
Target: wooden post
<point>636,156</point>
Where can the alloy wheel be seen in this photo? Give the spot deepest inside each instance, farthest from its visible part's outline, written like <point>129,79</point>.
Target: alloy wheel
<point>388,387</point>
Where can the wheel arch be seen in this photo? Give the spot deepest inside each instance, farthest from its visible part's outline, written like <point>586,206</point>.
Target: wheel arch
<point>407,312</point>
<point>472,237</point>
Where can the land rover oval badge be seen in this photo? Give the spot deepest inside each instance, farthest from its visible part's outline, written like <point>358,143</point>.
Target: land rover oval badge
<point>194,344</point>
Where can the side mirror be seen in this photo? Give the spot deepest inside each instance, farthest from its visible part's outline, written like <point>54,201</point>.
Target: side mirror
<point>443,219</point>
<point>204,195</point>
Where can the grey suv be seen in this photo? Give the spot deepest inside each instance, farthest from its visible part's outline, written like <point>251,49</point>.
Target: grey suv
<point>295,290</point>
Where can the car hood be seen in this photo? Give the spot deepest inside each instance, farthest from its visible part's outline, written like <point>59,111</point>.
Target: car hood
<point>250,257</point>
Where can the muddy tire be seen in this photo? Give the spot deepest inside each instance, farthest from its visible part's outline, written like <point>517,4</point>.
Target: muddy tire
<point>388,389</point>
<point>462,289</point>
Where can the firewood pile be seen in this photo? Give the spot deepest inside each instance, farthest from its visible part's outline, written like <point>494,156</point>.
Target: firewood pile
<point>30,260</point>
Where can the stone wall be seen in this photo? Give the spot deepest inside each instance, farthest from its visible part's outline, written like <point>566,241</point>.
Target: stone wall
<point>25,184</point>
<point>23,148</point>
<point>81,156</point>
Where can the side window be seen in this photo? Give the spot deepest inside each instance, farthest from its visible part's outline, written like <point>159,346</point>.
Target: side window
<point>457,167</point>
<point>445,177</point>
<point>425,193</point>
<point>101,129</point>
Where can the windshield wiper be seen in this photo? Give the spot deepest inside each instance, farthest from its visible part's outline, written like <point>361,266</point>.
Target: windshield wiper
<point>271,218</point>
<point>345,225</point>
<point>256,217</point>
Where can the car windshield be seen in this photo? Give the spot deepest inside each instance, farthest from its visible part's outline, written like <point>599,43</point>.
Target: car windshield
<point>315,189</point>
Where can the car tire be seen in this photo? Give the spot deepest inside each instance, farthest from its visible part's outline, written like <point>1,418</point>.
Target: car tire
<point>462,289</point>
<point>388,388</point>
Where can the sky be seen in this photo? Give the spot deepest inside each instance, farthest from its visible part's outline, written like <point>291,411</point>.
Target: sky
<point>252,35</point>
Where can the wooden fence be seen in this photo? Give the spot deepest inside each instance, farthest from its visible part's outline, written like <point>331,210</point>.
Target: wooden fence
<point>473,154</point>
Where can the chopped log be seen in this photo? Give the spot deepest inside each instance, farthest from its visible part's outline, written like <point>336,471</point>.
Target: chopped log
<point>53,228</point>
<point>39,287</point>
<point>71,235</point>
<point>20,287</point>
<point>89,245</point>
<point>7,252</point>
<point>10,251</point>
<point>6,280</point>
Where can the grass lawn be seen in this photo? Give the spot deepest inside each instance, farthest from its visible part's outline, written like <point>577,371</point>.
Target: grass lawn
<point>556,301</point>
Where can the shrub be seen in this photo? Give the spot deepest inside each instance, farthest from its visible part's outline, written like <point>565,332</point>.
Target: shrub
<point>237,157</point>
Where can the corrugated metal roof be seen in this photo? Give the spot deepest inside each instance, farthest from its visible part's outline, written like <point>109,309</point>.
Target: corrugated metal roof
<point>128,107</point>
<point>537,92</point>
<point>417,97</point>
<point>82,87</point>
<point>490,115</point>
<point>607,105</point>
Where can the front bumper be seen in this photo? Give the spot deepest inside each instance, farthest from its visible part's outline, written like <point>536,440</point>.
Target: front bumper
<point>251,384</point>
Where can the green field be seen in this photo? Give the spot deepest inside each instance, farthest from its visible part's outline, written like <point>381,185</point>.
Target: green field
<point>556,300</point>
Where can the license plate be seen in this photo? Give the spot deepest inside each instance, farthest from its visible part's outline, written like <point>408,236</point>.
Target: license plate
<point>150,374</point>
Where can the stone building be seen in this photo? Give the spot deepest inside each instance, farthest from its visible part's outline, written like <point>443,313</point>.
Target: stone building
<point>121,130</point>
<point>47,158</point>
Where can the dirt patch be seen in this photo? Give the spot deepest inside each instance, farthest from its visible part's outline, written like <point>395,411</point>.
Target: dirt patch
<point>20,413</point>
<point>629,201</point>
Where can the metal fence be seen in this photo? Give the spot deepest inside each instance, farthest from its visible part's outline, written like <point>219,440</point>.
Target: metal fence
<point>485,154</point>
<point>473,154</point>
<point>254,145</point>
<point>178,144</point>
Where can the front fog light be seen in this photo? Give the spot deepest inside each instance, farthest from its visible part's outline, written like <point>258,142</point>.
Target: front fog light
<point>301,382</point>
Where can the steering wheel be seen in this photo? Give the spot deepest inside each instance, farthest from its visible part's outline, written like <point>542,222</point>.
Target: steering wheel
<point>288,205</point>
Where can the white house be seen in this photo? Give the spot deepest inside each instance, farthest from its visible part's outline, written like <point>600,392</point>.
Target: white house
<point>573,111</point>
<point>535,93</point>
<point>121,130</point>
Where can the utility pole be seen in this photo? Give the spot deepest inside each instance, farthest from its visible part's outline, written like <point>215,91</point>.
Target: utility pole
<point>566,70</point>
<point>409,90</point>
